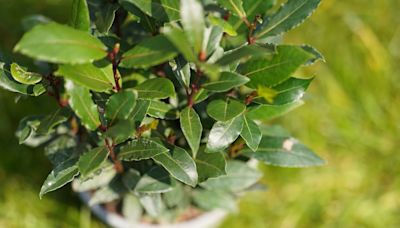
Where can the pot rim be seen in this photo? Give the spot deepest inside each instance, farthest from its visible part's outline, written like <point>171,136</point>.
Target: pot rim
<point>205,220</point>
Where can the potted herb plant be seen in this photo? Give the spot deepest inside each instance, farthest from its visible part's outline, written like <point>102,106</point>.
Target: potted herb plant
<point>164,105</point>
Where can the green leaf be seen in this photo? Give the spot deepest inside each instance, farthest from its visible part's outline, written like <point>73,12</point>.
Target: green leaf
<point>227,81</point>
<point>251,133</point>
<point>140,149</point>
<point>217,21</point>
<point>120,105</point>
<point>211,42</point>
<point>178,38</point>
<point>223,111</point>
<point>222,134</point>
<point>105,15</point>
<point>177,197</point>
<point>60,176</point>
<point>153,204</point>
<point>179,164</point>
<point>130,179</point>
<point>122,130</point>
<point>289,91</point>
<point>209,165</point>
<point>98,179</point>
<point>284,152</point>
<point>96,78</point>
<point>191,128</point>
<point>161,110</point>
<point>49,122</point>
<point>140,111</point>
<point>192,19</point>
<point>162,10</point>
<point>273,71</point>
<point>150,52</point>
<point>181,70</point>
<point>239,176</point>
<point>57,43</point>
<point>81,102</point>
<point>245,52</point>
<point>317,55</point>
<point>235,6</point>
<point>91,161</point>
<point>210,200</point>
<point>8,83</point>
<point>25,77</point>
<point>290,15</point>
<point>80,15</point>
<point>268,112</point>
<point>157,88</point>
<point>157,180</point>
<point>131,208</point>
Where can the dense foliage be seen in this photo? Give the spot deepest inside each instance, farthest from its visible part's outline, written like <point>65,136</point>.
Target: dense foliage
<point>161,101</point>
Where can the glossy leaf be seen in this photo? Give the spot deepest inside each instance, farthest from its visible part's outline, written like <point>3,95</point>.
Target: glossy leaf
<point>223,111</point>
<point>60,176</point>
<point>239,176</point>
<point>317,55</point>
<point>140,149</point>
<point>157,180</point>
<point>131,208</point>
<point>191,128</point>
<point>122,130</point>
<point>192,19</point>
<point>284,152</point>
<point>80,15</point>
<point>179,164</point>
<point>49,122</point>
<point>290,15</point>
<point>181,70</point>
<point>104,16</point>
<point>96,78</point>
<point>273,71</point>
<point>162,10</point>
<point>161,110</point>
<point>25,77</point>
<point>210,200</point>
<point>178,38</point>
<point>209,165</point>
<point>217,21</point>
<point>152,203</point>
<point>120,105</point>
<point>139,112</point>
<point>60,44</point>
<point>222,134</point>
<point>251,133</point>
<point>158,88</point>
<point>150,52</point>
<point>8,83</point>
<point>235,6</point>
<point>226,82</point>
<point>81,102</point>
<point>131,178</point>
<point>245,52</point>
<point>291,90</point>
<point>101,178</point>
<point>268,112</point>
<point>91,161</point>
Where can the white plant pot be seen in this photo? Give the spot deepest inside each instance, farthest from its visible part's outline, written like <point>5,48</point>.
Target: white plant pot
<point>207,220</point>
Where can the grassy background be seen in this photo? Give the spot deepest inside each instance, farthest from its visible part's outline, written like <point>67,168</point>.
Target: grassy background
<point>351,118</point>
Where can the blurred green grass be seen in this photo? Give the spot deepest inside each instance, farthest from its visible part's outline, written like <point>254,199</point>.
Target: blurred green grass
<point>351,118</point>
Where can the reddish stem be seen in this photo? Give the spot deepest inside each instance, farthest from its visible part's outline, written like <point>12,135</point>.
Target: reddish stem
<point>115,62</point>
<point>117,163</point>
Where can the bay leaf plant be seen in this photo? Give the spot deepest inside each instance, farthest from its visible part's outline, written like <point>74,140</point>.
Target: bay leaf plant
<point>164,104</point>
